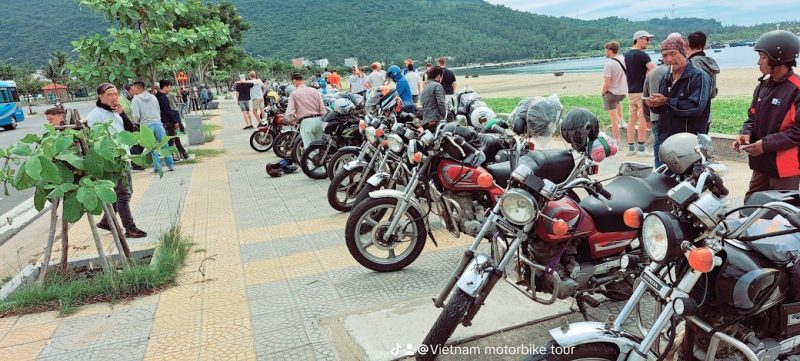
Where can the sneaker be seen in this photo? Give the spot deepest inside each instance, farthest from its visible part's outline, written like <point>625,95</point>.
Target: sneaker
<point>248,127</point>
<point>623,124</point>
<point>135,233</point>
<point>103,225</point>
<point>632,153</point>
<point>644,153</point>
<point>171,168</point>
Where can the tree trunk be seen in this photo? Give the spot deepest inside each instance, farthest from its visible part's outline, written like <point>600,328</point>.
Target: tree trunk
<point>50,238</point>
<point>64,243</point>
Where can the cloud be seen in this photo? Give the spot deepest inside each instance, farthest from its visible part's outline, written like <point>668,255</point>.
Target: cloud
<point>739,12</point>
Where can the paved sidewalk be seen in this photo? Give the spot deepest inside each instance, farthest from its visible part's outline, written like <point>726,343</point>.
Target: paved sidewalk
<point>268,266</point>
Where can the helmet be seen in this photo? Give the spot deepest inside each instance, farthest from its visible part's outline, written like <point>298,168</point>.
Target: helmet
<point>394,72</point>
<point>289,89</point>
<point>580,128</point>
<point>678,152</point>
<point>780,46</point>
<point>274,96</point>
<point>389,100</point>
<point>481,113</point>
<point>343,106</point>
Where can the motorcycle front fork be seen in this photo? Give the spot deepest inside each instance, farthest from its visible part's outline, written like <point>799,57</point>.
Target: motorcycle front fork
<point>403,204</point>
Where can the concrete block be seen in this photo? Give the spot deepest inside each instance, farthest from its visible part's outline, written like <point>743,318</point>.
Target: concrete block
<point>194,129</point>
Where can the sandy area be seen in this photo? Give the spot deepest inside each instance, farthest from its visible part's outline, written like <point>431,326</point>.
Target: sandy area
<point>730,82</point>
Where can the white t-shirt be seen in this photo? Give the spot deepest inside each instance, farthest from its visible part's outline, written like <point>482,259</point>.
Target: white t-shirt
<point>256,89</point>
<point>413,81</point>
<point>619,82</point>
<point>376,78</point>
<point>100,115</point>
<point>357,82</point>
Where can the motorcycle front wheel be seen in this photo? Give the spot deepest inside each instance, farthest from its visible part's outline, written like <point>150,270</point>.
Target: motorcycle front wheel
<point>261,141</point>
<point>340,158</point>
<point>365,235</point>
<point>342,190</point>
<point>283,144</point>
<point>595,351</point>
<point>314,161</point>
<point>445,325</point>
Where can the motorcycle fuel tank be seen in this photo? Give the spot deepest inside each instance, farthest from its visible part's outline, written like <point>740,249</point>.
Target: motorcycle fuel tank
<point>748,283</point>
<point>566,209</point>
<point>458,177</point>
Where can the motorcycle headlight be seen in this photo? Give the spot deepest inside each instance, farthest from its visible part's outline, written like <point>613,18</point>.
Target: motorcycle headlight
<point>518,206</point>
<point>661,236</point>
<point>395,143</point>
<point>370,133</point>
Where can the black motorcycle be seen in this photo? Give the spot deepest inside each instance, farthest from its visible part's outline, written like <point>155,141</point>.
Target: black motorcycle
<point>340,130</point>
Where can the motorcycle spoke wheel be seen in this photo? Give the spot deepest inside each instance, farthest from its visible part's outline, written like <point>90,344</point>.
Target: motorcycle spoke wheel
<point>261,141</point>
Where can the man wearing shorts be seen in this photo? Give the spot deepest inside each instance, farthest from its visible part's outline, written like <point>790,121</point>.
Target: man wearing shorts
<point>242,88</point>
<point>637,65</point>
<point>257,95</point>
<point>615,86</point>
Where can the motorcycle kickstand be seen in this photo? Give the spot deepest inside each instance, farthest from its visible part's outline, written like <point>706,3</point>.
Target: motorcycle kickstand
<point>582,309</point>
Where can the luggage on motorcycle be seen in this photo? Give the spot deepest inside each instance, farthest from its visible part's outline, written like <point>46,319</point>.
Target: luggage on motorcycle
<point>464,101</point>
<point>537,116</point>
<point>764,197</point>
<point>649,194</point>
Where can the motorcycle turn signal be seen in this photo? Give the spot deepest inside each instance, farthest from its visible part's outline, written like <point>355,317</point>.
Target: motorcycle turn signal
<point>701,259</point>
<point>633,217</point>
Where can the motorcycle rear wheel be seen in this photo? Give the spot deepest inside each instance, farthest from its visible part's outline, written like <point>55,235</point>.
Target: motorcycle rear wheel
<point>262,141</point>
<point>343,184</point>
<point>452,314</point>
<point>371,213</point>
<point>595,351</point>
<point>312,163</point>
<point>297,150</point>
<point>283,144</point>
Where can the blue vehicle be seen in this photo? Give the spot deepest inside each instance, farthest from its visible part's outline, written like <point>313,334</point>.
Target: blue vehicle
<point>11,111</point>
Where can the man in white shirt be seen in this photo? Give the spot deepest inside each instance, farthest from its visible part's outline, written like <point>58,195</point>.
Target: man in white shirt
<point>257,95</point>
<point>376,78</point>
<point>615,86</point>
<point>357,80</point>
<point>414,82</point>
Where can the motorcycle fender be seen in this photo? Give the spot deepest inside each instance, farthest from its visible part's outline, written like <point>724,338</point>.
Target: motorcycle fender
<point>393,193</point>
<point>376,179</point>
<point>353,164</point>
<point>476,275</point>
<point>580,333</point>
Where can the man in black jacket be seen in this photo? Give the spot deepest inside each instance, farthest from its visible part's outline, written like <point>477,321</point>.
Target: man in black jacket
<point>682,103</point>
<point>171,125</point>
<point>771,133</point>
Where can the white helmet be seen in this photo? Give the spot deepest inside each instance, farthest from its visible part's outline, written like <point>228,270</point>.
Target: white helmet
<point>481,113</point>
<point>343,106</point>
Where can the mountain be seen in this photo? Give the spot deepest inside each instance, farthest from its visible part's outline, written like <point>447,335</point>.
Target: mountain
<point>469,31</point>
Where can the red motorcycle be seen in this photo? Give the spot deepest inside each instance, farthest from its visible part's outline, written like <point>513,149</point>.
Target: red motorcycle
<point>387,231</point>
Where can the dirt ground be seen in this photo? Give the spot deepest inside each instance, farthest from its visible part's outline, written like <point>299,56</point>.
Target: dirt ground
<point>730,82</point>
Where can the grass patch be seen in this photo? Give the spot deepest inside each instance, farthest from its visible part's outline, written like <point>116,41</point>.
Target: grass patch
<point>208,132</point>
<point>203,153</point>
<point>728,114</point>
<point>66,293</point>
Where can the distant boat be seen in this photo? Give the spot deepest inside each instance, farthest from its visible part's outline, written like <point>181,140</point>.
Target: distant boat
<point>717,50</point>
<point>558,73</point>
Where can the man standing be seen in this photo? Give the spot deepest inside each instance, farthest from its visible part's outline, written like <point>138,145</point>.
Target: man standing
<point>637,65</point>
<point>108,108</point>
<point>432,98</point>
<point>170,122</point>
<point>242,89</point>
<point>682,100</point>
<point>257,95</point>
<point>376,78</point>
<point>356,80</point>
<point>54,116</point>
<point>615,86</point>
<point>306,107</point>
<point>335,80</point>
<point>448,81</point>
<point>146,112</point>
<point>698,58</point>
<point>414,81</point>
<point>771,133</point>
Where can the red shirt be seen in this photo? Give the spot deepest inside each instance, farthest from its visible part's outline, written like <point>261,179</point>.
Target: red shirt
<point>335,79</point>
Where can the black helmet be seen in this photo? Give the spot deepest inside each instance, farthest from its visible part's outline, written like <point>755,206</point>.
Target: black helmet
<point>580,128</point>
<point>780,46</point>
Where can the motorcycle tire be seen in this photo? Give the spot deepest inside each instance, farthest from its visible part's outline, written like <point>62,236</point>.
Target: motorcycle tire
<point>619,291</point>
<point>335,185</point>
<point>589,351</point>
<point>363,194</point>
<point>340,158</point>
<point>297,150</point>
<point>262,141</point>
<point>312,166</point>
<point>282,145</point>
<point>452,314</point>
<point>353,232</point>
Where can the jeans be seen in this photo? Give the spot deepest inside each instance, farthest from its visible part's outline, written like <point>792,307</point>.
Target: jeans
<point>310,130</point>
<point>123,189</point>
<point>656,144</point>
<point>160,133</point>
<point>170,129</point>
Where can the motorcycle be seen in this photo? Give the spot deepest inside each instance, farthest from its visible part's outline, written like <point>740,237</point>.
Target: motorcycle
<point>268,129</point>
<point>556,243</point>
<point>449,177</point>
<point>340,130</point>
<point>731,283</point>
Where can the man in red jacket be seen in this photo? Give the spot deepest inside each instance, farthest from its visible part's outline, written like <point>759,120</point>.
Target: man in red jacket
<point>771,133</point>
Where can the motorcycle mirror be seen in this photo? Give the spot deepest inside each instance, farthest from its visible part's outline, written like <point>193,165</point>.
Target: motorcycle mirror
<point>635,169</point>
<point>706,145</point>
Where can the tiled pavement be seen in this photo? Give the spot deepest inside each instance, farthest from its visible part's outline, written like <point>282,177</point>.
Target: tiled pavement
<point>269,264</point>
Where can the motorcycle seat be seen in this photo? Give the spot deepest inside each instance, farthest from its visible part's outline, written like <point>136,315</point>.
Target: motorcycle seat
<point>781,250</point>
<point>501,172</point>
<point>649,194</point>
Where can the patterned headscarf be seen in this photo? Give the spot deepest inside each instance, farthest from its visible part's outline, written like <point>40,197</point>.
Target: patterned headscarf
<point>674,43</point>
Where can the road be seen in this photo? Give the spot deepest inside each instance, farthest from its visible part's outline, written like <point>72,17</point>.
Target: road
<point>31,124</point>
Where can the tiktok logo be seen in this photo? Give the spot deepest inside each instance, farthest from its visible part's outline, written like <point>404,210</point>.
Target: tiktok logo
<point>409,350</point>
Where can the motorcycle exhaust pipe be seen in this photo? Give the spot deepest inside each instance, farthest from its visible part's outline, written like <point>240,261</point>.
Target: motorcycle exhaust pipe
<point>439,300</point>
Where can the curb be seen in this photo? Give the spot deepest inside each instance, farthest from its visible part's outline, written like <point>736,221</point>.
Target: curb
<point>18,218</point>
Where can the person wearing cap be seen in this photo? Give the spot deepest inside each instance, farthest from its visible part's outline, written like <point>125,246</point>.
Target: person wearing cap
<point>771,134</point>
<point>637,65</point>
<point>306,107</point>
<point>682,100</point>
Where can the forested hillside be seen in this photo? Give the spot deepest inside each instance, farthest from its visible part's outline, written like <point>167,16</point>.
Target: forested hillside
<point>470,31</point>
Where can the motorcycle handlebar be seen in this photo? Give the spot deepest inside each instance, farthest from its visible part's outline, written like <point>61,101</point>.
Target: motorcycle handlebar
<point>599,188</point>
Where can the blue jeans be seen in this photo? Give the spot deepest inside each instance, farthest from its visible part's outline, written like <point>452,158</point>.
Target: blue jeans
<point>656,143</point>
<point>160,133</point>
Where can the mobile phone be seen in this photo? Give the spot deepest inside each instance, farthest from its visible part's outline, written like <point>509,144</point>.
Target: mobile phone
<point>645,98</point>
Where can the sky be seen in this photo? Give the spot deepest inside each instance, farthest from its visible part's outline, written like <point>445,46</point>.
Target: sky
<point>729,12</point>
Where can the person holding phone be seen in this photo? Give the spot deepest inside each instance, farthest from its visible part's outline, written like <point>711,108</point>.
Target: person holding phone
<point>771,134</point>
